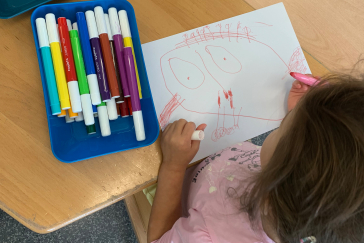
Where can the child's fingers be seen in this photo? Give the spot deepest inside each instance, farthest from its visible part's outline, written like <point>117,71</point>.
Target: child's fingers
<point>296,84</point>
<point>299,86</point>
<point>201,127</point>
<point>180,124</point>
<point>188,129</point>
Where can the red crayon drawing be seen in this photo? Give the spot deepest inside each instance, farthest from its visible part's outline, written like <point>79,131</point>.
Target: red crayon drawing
<point>207,74</point>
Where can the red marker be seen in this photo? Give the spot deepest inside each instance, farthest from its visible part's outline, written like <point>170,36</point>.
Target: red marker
<point>69,65</point>
<point>124,109</point>
<point>310,81</point>
<point>129,105</point>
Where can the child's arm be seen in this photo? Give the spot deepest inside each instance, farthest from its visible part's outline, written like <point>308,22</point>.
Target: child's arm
<point>178,151</point>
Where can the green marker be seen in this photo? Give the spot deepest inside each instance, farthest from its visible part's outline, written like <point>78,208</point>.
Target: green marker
<point>82,79</point>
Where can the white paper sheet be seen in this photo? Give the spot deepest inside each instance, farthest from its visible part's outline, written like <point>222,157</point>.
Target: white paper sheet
<point>232,75</point>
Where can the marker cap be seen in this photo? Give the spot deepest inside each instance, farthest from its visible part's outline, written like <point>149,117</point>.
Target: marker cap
<point>42,32</point>
<point>74,93</point>
<point>104,121</point>
<point>75,26</point>
<point>100,20</point>
<point>124,23</point>
<point>93,85</point>
<point>111,109</point>
<point>79,117</point>
<point>108,28</point>
<point>114,22</point>
<point>139,125</point>
<point>88,115</point>
<point>52,28</point>
<point>198,135</point>
<point>69,25</point>
<point>91,24</point>
<point>91,129</point>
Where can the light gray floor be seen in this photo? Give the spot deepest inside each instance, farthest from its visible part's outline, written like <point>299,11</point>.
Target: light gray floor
<point>109,225</point>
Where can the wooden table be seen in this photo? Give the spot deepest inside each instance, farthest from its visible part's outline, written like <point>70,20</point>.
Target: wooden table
<point>43,193</point>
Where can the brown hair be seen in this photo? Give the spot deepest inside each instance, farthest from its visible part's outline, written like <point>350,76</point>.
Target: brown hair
<point>314,182</point>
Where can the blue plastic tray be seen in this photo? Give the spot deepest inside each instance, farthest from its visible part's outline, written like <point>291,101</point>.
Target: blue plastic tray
<point>11,8</point>
<point>70,142</point>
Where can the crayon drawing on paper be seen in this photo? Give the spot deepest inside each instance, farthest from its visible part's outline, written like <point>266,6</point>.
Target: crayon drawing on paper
<point>232,75</point>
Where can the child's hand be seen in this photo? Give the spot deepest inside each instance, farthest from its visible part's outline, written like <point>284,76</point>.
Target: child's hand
<point>295,94</point>
<point>177,147</point>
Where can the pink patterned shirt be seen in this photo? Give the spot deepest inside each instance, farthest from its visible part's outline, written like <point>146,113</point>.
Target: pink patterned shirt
<point>210,209</point>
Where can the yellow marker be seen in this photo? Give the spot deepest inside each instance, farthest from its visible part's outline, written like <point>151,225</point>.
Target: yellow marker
<point>62,114</point>
<point>125,31</point>
<point>58,62</point>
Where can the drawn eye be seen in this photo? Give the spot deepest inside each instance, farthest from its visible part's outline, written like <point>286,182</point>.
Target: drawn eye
<point>186,73</point>
<point>223,59</point>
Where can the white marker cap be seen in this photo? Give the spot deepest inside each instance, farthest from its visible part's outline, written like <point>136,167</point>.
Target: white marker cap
<point>114,22</point>
<point>104,121</point>
<point>68,118</point>
<point>198,135</point>
<point>88,114</point>
<point>139,125</point>
<point>111,109</point>
<point>124,23</point>
<point>69,25</point>
<point>52,28</point>
<point>75,26</point>
<point>93,85</point>
<point>107,21</point>
<point>79,117</point>
<point>42,32</point>
<point>75,98</point>
<point>100,20</point>
<point>91,24</point>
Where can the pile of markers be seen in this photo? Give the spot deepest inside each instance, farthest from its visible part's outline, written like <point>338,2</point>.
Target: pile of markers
<point>90,69</point>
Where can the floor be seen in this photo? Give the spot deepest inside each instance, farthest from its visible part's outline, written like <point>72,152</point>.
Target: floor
<point>109,225</point>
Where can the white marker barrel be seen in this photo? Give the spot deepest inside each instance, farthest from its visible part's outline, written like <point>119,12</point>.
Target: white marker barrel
<point>103,120</point>
<point>100,20</point>
<point>139,125</point>
<point>88,114</point>
<point>111,109</point>
<point>124,23</point>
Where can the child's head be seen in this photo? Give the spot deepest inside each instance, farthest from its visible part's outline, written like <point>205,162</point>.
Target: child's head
<point>313,167</point>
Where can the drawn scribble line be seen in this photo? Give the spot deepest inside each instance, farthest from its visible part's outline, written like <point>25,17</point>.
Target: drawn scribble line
<point>168,110</point>
<point>169,60</point>
<point>205,35</point>
<point>213,59</point>
<point>264,23</point>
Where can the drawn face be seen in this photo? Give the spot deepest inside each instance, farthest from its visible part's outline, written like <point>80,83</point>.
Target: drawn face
<point>229,67</point>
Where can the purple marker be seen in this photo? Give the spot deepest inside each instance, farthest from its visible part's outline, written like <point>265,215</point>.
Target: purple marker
<point>97,55</point>
<point>134,94</point>
<point>119,46</point>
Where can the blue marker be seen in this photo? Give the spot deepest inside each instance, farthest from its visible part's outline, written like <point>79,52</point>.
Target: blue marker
<point>94,108</point>
<point>45,51</point>
<point>93,84</point>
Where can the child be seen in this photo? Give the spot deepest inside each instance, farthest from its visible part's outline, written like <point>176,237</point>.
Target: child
<point>310,187</point>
